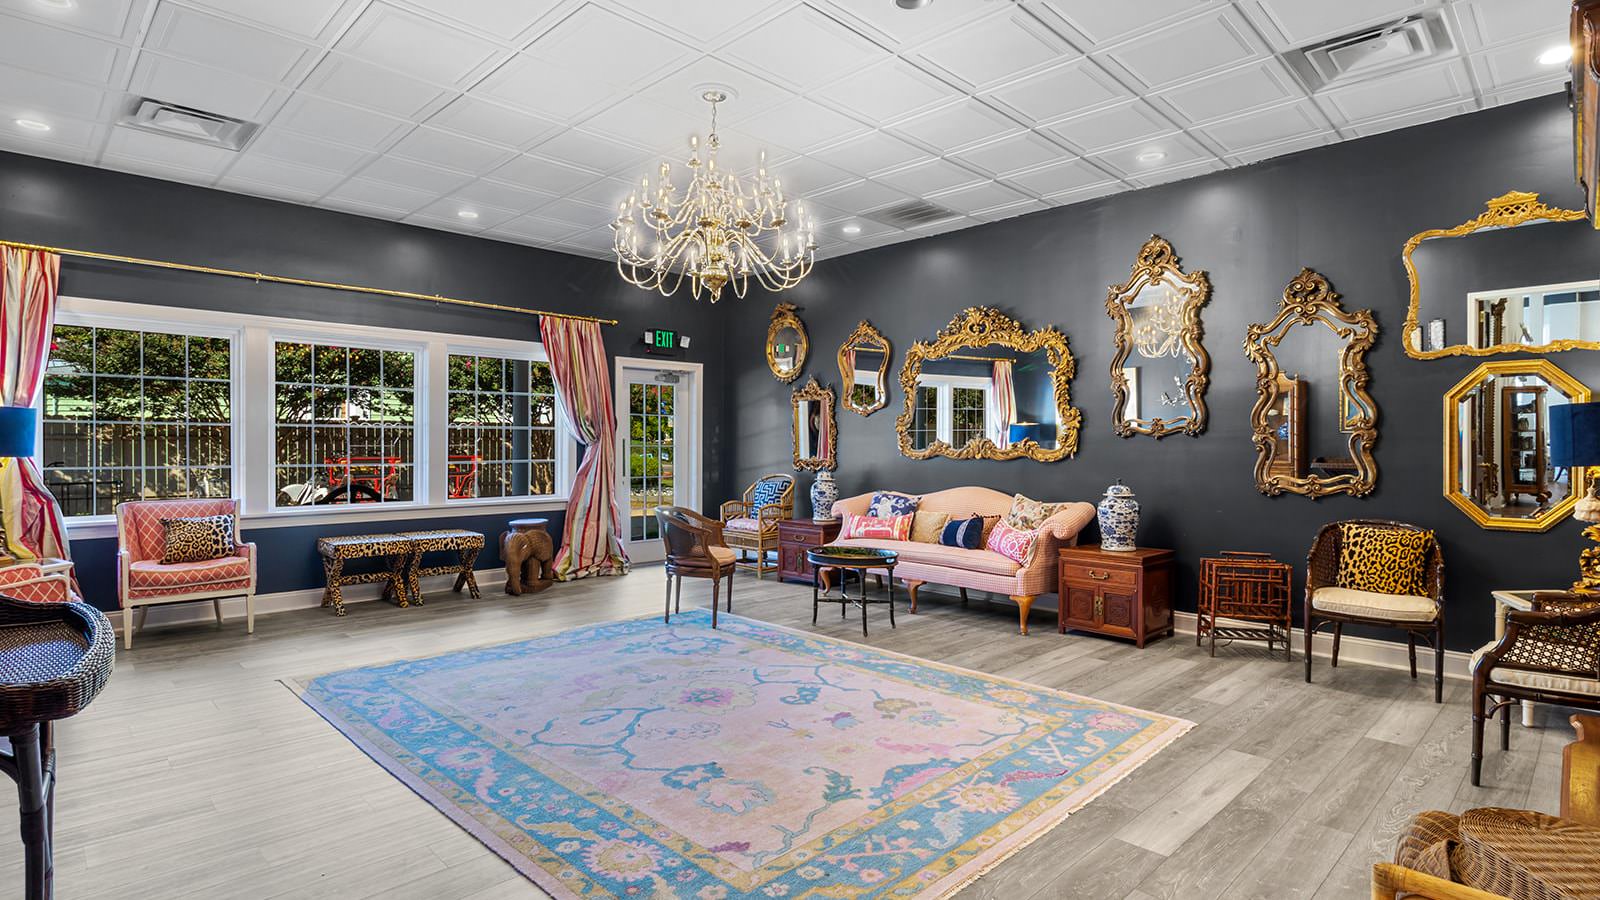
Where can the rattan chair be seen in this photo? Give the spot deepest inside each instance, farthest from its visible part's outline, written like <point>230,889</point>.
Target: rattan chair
<point>1417,616</point>
<point>695,549</point>
<point>750,527</point>
<point>1550,654</point>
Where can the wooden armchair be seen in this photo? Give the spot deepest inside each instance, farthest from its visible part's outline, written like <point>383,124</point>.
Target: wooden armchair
<point>1418,616</point>
<point>750,524</point>
<point>695,549</point>
<point>1550,654</point>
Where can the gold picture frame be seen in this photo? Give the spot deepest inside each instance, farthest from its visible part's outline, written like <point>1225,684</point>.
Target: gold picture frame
<point>1309,300</point>
<point>865,335</point>
<point>1454,491</point>
<point>1505,211</point>
<point>783,316</point>
<point>1154,265</point>
<point>823,396</point>
<point>980,326</point>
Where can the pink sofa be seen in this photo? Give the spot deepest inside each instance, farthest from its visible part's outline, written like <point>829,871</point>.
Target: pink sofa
<point>982,570</point>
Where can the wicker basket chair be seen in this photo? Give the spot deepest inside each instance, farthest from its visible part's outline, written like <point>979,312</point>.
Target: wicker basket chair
<point>1550,654</point>
<point>750,524</point>
<point>695,549</point>
<point>1417,616</point>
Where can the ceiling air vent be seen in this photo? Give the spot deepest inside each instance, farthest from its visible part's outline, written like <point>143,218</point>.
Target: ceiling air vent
<point>190,124</point>
<point>1355,57</point>
<point>911,214</point>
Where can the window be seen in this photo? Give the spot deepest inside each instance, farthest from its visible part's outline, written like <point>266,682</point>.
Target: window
<point>502,428</point>
<point>951,408</point>
<point>968,407</point>
<point>135,415</point>
<point>925,421</point>
<point>345,424</point>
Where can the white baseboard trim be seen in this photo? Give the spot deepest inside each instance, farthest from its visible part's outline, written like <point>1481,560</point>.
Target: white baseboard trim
<point>285,601</point>
<point>1364,650</point>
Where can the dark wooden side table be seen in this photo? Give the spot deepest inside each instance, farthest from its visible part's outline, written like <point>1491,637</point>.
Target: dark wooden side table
<point>1126,594</point>
<point>795,537</point>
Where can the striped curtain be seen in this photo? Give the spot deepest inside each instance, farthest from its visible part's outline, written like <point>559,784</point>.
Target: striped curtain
<point>1003,400</point>
<point>28,280</point>
<point>592,543</point>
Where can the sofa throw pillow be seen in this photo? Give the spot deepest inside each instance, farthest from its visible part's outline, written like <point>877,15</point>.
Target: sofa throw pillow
<point>1383,560</point>
<point>1028,515</point>
<point>965,533</point>
<point>888,504</point>
<point>1013,543</point>
<point>989,522</point>
<point>768,491</point>
<point>891,528</point>
<point>196,539</point>
<point>927,526</point>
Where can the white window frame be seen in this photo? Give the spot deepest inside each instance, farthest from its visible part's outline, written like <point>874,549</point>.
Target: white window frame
<point>253,383</point>
<point>944,386</point>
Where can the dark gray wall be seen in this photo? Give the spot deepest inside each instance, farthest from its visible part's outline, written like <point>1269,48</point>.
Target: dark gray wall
<point>1343,210</point>
<point>47,202</point>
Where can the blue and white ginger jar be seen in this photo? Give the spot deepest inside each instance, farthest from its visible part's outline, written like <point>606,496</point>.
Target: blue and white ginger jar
<point>824,491</point>
<point>1119,518</point>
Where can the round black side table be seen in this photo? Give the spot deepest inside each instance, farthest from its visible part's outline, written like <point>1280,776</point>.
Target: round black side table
<point>846,560</point>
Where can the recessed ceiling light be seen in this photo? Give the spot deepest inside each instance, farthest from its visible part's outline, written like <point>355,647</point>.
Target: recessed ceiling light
<point>1555,56</point>
<point>852,228</point>
<point>57,4</point>
<point>467,213</point>
<point>912,4</point>
<point>33,124</point>
<point>1152,156</point>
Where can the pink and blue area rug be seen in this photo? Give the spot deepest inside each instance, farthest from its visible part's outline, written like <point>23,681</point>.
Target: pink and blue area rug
<point>636,759</point>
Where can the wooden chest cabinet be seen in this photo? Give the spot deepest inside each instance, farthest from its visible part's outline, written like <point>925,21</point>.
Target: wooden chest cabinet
<point>795,537</point>
<point>1120,594</point>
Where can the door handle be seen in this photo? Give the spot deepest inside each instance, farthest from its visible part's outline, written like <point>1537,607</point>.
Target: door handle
<point>1099,608</point>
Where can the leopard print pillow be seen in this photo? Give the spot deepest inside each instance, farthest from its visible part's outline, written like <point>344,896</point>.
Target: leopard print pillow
<point>1383,560</point>
<point>196,539</point>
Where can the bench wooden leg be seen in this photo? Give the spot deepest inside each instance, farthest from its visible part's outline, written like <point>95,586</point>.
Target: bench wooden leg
<point>467,577</point>
<point>332,569</point>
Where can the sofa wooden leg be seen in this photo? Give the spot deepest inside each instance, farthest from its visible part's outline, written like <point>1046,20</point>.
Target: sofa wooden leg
<point>963,598</point>
<point>911,590</point>
<point>1024,604</point>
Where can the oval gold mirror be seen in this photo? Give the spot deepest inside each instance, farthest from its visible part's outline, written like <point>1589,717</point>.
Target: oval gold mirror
<point>1160,370</point>
<point>786,343</point>
<point>1497,445</point>
<point>815,434</point>
<point>1313,423</point>
<point>864,368</point>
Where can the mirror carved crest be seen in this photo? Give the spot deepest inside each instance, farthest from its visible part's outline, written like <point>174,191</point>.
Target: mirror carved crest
<point>1157,316</point>
<point>816,433</point>
<point>787,343</point>
<point>1509,210</point>
<point>1278,418</point>
<point>976,328</point>
<point>859,396</point>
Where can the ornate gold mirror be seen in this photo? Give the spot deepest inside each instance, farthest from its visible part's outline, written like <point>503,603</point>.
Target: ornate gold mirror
<point>984,388</point>
<point>1494,285</point>
<point>864,368</point>
<point>1497,445</point>
<point>813,425</point>
<point>786,343</point>
<point>1160,370</point>
<point>1314,423</point>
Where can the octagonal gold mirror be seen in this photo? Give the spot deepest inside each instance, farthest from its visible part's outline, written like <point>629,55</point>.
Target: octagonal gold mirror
<point>1497,445</point>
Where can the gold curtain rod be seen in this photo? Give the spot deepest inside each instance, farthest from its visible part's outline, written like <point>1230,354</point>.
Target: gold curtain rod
<point>982,358</point>
<point>303,282</point>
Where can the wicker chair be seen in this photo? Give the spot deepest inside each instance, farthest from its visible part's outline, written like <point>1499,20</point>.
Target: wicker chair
<point>695,549</point>
<point>1550,654</point>
<point>1417,616</point>
<point>748,527</point>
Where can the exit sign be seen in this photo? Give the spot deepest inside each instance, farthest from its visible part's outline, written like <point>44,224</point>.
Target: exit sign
<point>664,339</point>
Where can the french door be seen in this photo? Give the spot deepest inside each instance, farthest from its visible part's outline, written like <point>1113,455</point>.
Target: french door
<point>658,446</point>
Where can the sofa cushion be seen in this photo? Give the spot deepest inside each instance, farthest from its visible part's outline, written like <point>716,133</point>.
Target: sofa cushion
<point>1539,681</point>
<point>742,523</point>
<point>1371,604</point>
<point>196,539</point>
<point>964,533</point>
<point>888,504</point>
<point>1013,543</point>
<point>203,575</point>
<point>1383,560</point>
<point>1028,515</point>
<point>927,526</point>
<point>984,561</point>
<point>895,528</point>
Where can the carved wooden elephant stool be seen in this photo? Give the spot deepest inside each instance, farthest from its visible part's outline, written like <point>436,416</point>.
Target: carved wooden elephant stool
<point>527,551</point>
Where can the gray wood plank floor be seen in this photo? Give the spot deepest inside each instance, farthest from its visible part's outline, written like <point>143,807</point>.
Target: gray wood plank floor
<point>197,774</point>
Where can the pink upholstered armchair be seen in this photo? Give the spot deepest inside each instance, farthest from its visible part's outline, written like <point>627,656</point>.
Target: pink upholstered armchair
<point>29,581</point>
<point>142,581</point>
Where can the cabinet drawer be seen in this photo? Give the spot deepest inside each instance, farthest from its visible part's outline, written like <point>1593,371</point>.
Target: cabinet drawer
<point>1091,574</point>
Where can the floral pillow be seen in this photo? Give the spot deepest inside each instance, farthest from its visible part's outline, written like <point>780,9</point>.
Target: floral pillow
<point>1028,515</point>
<point>888,504</point>
<point>1013,543</point>
<point>889,528</point>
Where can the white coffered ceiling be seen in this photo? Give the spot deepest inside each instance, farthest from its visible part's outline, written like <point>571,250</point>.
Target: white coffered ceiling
<point>537,115</point>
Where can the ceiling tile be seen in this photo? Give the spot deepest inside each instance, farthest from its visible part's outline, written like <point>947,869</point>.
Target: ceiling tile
<point>1011,210</point>
<point>1268,126</point>
<point>42,96</point>
<point>56,51</point>
<point>700,22</point>
<point>1067,89</point>
<point>362,84</point>
<point>1132,121</point>
<point>544,175</point>
<point>999,48</point>
<point>872,152</point>
<point>607,192</point>
<point>111,18</point>
<point>683,89</point>
<point>168,151</point>
<point>1282,149</point>
<point>305,18</point>
<point>449,208</point>
<point>328,120</point>
<point>227,45</point>
<point>949,128</point>
<point>1396,94</point>
<point>803,48</point>
<point>899,89</point>
<point>860,196</point>
<point>156,169</point>
<point>576,213</point>
<point>1102,21</point>
<point>1187,50</point>
<point>382,194</point>
<point>499,194</point>
<point>524,82</point>
<point>1408,119</point>
<point>800,125</point>
<point>592,151</point>
<point>980,196</point>
<point>1059,177</point>
<point>644,123</point>
<point>1177,173</point>
<point>1140,159</point>
<point>1257,84</point>
<point>393,37</point>
<point>451,222</point>
<point>451,151</point>
<point>904,27</point>
<point>1295,23</point>
<point>1516,63</point>
<point>1084,194</point>
<point>266,189</point>
<point>929,177</point>
<point>394,170</point>
<point>1519,94</point>
<point>65,131</point>
<point>307,151</point>
<point>1013,154</point>
<point>213,90</point>
<point>502,19</point>
<point>803,176</point>
<point>1490,22</point>
<point>255,167</point>
<point>597,45</point>
<point>491,122</point>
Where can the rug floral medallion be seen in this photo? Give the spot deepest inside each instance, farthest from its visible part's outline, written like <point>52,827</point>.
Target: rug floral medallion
<point>637,759</point>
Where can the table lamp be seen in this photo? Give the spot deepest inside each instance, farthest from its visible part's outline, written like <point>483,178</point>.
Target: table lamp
<point>18,429</point>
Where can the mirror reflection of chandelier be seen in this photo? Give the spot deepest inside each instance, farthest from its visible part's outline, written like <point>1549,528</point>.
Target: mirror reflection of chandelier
<point>712,234</point>
<point>1160,331</point>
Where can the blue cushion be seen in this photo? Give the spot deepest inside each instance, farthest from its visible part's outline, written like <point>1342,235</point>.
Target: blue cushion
<point>768,491</point>
<point>888,504</point>
<point>967,533</point>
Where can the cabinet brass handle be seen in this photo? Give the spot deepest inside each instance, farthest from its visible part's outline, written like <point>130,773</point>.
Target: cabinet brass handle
<point>1099,576</point>
<point>1099,607</point>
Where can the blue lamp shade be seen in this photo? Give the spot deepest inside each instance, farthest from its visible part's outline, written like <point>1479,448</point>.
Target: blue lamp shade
<point>17,430</point>
<point>1018,432</point>
<point>1575,435</point>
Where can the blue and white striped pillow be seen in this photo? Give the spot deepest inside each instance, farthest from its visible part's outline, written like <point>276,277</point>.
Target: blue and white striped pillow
<point>965,533</point>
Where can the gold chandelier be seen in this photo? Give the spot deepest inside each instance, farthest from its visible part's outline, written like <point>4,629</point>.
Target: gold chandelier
<point>712,233</point>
